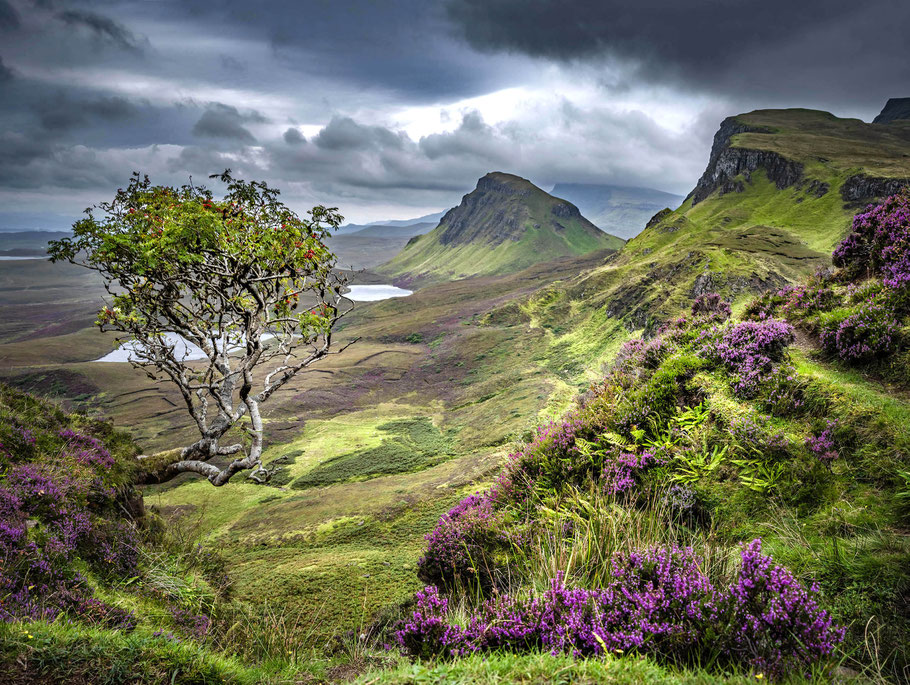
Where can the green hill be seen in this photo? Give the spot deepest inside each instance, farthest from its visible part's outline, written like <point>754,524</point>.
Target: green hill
<point>779,191</point>
<point>506,224</point>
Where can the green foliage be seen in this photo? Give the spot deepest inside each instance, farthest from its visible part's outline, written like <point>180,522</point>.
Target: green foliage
<point>412,444</point>
<point>902,496</point>
<point>226,276</point>
<point>41,652</point>
<point>542,668</point>
<point>698,465</point>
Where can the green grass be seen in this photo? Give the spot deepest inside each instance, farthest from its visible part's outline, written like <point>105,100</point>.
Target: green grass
<point>42,652</point>
<point>547,669</point>
<point>411,444</point>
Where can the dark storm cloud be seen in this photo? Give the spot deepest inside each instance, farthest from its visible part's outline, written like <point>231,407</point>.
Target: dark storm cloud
<point>225,121</point>
<point>343,133</point>
<point>6,74</point>
<point>401,46</point>
<point>62,112</point>
<point>293,137</point>
<point>9,17</point>
<point>104,28</point>
<point>779,45</point>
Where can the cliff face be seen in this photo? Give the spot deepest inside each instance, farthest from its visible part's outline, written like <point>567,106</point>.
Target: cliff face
<point>896,109</point>
<point>726,163</point>
<point>492,213</point>
<point>860,189</point>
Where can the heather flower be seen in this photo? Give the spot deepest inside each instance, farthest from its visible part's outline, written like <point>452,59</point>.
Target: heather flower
<point>659,602</point>
<point>823,445</point>
<point>459,544</point>
<point>712,306</point>
<point>868,332</point>
<point>775,619</point>
<point>193,625</point>
<point>87,450</point>
<point>44,526</point>
<point>879,243</point>
<point>620,470</point>
<point>751,350</point>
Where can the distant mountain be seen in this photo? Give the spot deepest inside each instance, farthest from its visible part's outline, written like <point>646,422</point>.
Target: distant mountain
<point>506,224</point>
<point>27,242</point>
<point>896,109</point>
<point>620,210</point>
<point>385,231</point>
<point>354,228</point>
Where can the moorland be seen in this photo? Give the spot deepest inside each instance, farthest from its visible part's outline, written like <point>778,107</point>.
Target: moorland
<point>555,416</point>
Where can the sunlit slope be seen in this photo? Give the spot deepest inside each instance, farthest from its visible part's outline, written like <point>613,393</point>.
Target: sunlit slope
<point>506,224</point>
<point>778,193</point>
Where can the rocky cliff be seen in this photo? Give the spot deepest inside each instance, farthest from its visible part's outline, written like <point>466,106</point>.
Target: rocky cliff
<point>896,109</point>
<point>726,163</point>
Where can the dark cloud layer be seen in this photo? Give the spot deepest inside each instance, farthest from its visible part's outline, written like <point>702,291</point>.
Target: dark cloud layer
<point>400,45</point>
<point>9,17</point>
<point>818,47</point>
<point>226,122</point>
<point>62,113</point>
<point>104,28</point>
<point>405,103</point>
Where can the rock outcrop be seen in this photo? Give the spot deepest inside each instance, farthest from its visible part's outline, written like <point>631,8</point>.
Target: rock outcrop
<point>726,163</point>
<point>859,189</point>
<point>896,109</point>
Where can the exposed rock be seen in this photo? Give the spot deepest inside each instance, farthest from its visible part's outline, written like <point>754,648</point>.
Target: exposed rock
<point>818,188</point>
<point>860,189</point>
<point>896,109</point>
<point>565,210</point>
<point>726,163</point>
<point>657,218</point>
<point>704,283</point>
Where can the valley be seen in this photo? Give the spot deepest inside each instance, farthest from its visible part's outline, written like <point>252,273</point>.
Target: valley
<point>501,319</point>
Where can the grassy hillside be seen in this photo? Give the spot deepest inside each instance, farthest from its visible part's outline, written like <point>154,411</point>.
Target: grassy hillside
<point>752,230</point>
<point>372,448</point>
<point>507,224</point>
<point>733,495</point>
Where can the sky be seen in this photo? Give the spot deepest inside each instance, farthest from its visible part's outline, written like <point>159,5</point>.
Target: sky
<point>390,109</point>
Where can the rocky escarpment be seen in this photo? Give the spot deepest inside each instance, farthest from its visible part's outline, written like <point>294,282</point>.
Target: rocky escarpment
<point>896,109</point>
<point>726,163</point>
<point>860,189</point>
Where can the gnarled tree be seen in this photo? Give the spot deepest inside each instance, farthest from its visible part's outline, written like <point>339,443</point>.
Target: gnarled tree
<point>242,282</point>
